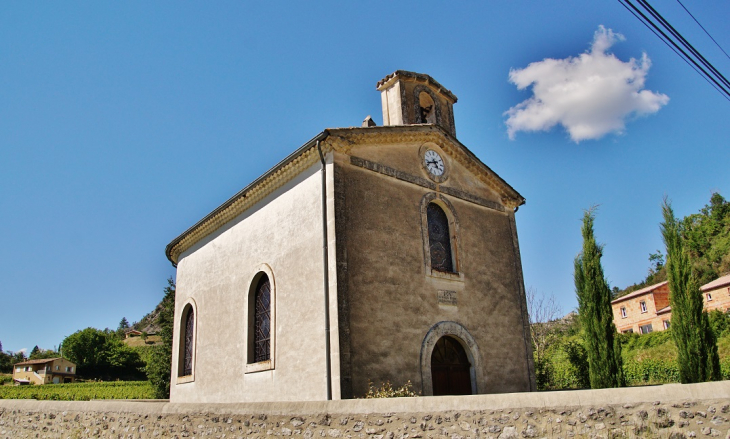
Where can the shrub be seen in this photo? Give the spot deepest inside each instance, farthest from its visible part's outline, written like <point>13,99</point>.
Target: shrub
<point>386,390</point>
<point>651,371</point>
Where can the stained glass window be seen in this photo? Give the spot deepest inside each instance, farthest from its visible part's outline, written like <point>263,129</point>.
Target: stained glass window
<point>188,347</point>
<point>262,321</point>
<point>439,240</point>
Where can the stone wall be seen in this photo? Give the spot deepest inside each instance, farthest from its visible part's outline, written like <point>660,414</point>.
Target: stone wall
<point>669,411</point>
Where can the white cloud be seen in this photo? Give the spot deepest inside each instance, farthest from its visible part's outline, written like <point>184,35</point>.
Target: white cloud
<point>590,95</point>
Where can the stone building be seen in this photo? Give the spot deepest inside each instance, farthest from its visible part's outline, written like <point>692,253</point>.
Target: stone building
<point>370,254</point>
<point>44,371</point>
<point>643,311</point>
<point>716,294</point>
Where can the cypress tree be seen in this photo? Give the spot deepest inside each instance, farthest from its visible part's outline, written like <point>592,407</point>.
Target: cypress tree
<point>605,366</point>
<point>697,357</point>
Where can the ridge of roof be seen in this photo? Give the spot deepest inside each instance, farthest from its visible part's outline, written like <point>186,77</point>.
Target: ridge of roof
<point>40,361</point>
<point>640,292</point>
<point>719,282</point>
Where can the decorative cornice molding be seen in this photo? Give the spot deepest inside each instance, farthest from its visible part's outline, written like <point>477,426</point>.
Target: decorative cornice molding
<point>422,182</point>
<point>347,137</point>
<point>341,140</point>
<point>242,201</point>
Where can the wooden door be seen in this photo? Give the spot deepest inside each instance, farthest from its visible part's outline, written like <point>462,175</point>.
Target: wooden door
<point>450,368</point>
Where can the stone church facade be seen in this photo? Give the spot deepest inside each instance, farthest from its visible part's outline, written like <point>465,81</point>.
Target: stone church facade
<point>370,254</point>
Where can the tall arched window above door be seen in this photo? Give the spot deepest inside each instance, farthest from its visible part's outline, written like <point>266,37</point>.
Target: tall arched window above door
<point>439,239</point>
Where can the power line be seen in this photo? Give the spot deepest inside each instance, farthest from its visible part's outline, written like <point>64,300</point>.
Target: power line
<point>703,28</point>
<point>684,42</point>
<point>659,25</point>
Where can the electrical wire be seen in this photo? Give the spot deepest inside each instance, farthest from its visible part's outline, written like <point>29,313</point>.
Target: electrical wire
<point>712,78</point>
<point>703,28</point>
<point>684,42</point>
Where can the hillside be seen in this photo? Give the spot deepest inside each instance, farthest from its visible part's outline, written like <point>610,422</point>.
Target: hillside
<point>148,323</point>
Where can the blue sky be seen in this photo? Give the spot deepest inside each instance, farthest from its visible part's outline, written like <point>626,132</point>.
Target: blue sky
<point>124,123</point>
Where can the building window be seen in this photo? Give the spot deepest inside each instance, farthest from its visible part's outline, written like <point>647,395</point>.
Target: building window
<point>427,109</point>
<point>69,369</point>
<point>709,296</point>
<point>642,305</point>
<point>439,239</point>
<point>628,331</point>
<point>262,321</point>
<point>623,312</point>
<point>645,329</point>
<point>666,324</point>
<point>58,367</point>
<point>186,351</point>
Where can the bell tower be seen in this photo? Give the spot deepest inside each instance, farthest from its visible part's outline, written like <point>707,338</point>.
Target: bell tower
<point>411,98</point>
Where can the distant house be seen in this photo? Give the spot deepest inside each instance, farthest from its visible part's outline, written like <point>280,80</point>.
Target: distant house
<point>647,310</point>
<point>45,371</point>
<point>132,333</point>
<point>716,294</point>
<point>643,311</point>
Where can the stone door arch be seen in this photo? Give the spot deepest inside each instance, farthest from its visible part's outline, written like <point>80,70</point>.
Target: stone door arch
<point>457,341</point>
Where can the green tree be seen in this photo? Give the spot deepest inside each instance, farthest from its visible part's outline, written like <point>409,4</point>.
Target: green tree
<point>38,353</point>
<point>698,360</point>
<point>707,239</point>
<point>100,354</point>
<point>5,366</point>
<point>602,346</point>
<point>35,352</point>
<point>122,328</point>
<point>160,363</point>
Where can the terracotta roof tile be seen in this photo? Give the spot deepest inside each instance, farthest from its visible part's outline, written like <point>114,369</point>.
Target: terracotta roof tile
<point>719,282</point>
<point>641,292</point>
<point>41,361</point>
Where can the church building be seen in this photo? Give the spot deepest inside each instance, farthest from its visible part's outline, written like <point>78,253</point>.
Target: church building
<point>370,254</point>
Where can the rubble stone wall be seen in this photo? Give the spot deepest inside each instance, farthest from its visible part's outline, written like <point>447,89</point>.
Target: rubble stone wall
<point>669,411</point>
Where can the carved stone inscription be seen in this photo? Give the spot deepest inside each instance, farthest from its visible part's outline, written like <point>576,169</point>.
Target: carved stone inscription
<point>447,298</point>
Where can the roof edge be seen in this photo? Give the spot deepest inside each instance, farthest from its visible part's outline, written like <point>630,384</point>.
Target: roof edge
<point>419,77</point>
<point>309,144</point>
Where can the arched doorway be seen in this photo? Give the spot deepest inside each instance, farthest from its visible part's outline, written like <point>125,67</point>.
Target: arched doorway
<point>450,368</point>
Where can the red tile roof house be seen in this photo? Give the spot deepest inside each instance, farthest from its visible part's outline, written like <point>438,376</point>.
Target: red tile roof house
<point>643,311</point>
<point>716,294</point>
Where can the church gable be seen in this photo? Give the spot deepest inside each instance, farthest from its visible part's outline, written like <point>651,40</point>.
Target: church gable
<point>428,157</point>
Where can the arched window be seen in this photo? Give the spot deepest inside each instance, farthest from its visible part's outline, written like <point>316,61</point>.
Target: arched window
<point>186,353</point>
<point>427,109</point>
<point>439,239</point>
<point>262,321</point>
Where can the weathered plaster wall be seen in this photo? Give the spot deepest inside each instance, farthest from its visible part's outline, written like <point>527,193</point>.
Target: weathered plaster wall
<point>671,411</point>
<point>281,235</point>
<point>393,297</point>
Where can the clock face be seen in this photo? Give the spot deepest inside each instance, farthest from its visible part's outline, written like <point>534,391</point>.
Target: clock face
<point>434,163</point>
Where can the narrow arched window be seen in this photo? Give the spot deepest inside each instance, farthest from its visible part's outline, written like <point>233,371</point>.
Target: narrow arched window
<point>427,109</point>
<point>262,321</point>
<point>187,351</point>
<point>439,239</point>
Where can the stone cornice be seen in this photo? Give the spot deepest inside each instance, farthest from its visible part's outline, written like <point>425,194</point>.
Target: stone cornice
<point>287,169</point>
<point>341,140</point>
